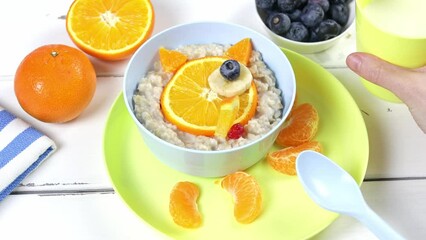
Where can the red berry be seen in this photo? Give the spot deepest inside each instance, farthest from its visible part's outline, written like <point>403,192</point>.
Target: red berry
<point>236,131</point>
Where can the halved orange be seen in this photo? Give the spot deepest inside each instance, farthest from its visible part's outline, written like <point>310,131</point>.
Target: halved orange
<point>241,51</point>
<point>302,126</point>
<point>247,196</point>
<point>284,160</point>
<point>188,102</point>
<point>112,29</point>
<point>183,205</point>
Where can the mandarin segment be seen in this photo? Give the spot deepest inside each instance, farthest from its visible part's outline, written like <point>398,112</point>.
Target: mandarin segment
<point>284,160</point>
<point>110,30</point>
<point>55,83</point>
<point>241,51</point>
<point>301,126</point>
<point>183,205</point>
<point>246,194</point>
<point>171,60</point>
<point>189,103</point>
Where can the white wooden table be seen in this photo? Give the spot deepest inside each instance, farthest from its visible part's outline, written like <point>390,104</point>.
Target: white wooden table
<point>70,195</point>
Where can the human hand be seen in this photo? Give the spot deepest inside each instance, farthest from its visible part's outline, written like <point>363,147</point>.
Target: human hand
<point>408,84</point>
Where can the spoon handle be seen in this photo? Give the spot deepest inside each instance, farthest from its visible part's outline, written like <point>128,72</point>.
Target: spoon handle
<point>376,225</point>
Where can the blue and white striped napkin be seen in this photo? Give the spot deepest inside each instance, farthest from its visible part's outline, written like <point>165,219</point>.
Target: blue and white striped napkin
<point>22,149</point>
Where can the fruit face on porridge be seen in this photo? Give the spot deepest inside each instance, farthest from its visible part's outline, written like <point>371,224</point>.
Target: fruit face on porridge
<point>209,96</point>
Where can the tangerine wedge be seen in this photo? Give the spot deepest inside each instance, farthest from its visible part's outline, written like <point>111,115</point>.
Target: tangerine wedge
<point>247,196</point>
<point>183,205</point>
<point>284,160</point>
<point>302,126</point>
<point>171,60</point>
<point>241,51</point>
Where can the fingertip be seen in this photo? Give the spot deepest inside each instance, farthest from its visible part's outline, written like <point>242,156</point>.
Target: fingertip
<point>353,61</point>
<point>380,72</point>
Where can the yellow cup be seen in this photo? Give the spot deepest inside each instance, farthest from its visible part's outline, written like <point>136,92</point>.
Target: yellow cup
<point>396,45</point>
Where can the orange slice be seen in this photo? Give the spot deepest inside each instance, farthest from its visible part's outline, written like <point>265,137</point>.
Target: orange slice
<point>302,126</point>
<point>171,60</point>
<point>227,115</point>
<point>241,51</point>
<point>183,205</point>
<point>284,160</point>
<point>248,105</point>
<point>188,102</point>
<point>247,196</point>
<point>110,30</point>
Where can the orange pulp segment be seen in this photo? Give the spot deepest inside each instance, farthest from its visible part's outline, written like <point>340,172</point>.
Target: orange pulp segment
<point>171,60</point>
<point>284,160</point>
<point>183,205</point>
<point>110,30</point>
<point>241,51</point>
<point>248,105</point>
<point>247,196</point>
<point>302,126</point>
<point>227,114</point>
<point>188,102</point>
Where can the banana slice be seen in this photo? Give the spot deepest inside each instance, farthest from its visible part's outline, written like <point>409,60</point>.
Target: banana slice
<point>230,88</point>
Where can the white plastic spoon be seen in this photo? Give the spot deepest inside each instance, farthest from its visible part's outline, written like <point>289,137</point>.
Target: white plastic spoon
<point>331,187</point>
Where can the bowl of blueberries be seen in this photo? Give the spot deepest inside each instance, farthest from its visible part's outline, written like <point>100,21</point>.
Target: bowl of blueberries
<point>306,26</point>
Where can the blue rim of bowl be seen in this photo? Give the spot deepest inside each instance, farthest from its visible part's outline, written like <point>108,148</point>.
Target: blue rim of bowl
<point>278,125</point>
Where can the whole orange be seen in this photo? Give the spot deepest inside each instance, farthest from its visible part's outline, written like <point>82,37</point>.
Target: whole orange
<point>55,83</point>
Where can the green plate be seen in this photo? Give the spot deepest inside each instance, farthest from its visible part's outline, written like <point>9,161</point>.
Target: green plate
<point>144,183</point>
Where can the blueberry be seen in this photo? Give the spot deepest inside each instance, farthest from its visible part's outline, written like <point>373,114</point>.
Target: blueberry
<point>297,32</point>
<point>339,13</point>
<point>295,15</point>
<point>312,15</point>
<point>230,69</point>
<point>287,6</point>
<point>339,1</point>
<point>265,4</point>
<point>313,37</point>
<point>325,4</point>
<point>302,3</point>
<point>279,23</point>
<point>327,29</point>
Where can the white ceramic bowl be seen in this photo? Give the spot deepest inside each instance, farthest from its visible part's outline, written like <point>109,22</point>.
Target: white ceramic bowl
<point>308,47</point>
<point>208,163</point>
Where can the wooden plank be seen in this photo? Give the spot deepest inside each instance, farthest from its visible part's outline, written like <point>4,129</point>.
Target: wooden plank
<point>78,161</point>
<point>70,195</point>
<point>395,139</point>
<point>71,216</point>
<point>94,215</point>
<point>30,24</point>
<point>399,203</point>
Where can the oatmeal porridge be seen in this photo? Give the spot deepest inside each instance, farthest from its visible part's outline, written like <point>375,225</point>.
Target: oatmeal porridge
<point>147,105</point>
